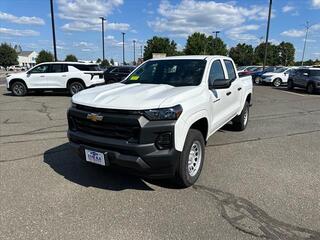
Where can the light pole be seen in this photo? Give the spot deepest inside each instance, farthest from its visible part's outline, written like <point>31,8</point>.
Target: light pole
<point>123,61</point>
<point>305,42</point>
<point>134,52</point>
<point>102,30</point>
<point>215,39</point>
<point>53,32</point>
<point>216,33</point>
<point>267,36</point>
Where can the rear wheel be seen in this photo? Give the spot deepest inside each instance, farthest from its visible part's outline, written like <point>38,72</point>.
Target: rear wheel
<point>240,122</point>
<point>191,159</point>
<point>19,88</point>
<point>257,80</point>
<point>290,85</point>
<point>75,87</point>
<point>310,88</point>
<point>277,82</point>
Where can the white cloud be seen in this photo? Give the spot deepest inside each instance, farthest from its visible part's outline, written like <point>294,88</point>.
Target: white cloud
<point>18,33</point>
<point>191,16</point>
<point>84,15</point>
<point>293,33</point>
<point>288,8</point>
<point>240,33</point>
<point>315,3</point>
<point>21,20</point>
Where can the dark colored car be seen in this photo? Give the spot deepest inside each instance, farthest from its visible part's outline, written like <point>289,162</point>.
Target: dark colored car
<point>307,78</point>
<point>117,74</point>
<point>256,76</point>
<point>249,71</point>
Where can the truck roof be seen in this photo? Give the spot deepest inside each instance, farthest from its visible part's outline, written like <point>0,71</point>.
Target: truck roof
<point>195,57</point>
<point>62,62</point>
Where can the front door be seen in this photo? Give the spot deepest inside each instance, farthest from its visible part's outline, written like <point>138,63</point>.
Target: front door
<point>36,77</point>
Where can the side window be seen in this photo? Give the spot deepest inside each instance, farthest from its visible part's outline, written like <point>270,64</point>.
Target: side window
<point>216,72</point>
<point>57,68</point>
<point>230,69</point>
<point>41,69</point>
<point>115,70</point>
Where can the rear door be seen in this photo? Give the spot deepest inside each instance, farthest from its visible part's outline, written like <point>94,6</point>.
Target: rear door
<point>37,77</point>
<point>57,76</point>
<point>221,99</point>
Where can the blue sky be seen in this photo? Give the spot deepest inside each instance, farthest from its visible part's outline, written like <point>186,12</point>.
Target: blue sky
<point>78,28</point>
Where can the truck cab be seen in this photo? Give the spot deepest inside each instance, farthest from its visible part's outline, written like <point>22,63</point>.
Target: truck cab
<point>157,121</point>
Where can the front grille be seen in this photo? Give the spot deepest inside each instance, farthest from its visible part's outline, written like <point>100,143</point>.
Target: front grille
<point>114,125</point>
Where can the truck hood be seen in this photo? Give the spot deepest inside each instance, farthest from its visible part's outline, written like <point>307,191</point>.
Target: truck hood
<point>134,96</point>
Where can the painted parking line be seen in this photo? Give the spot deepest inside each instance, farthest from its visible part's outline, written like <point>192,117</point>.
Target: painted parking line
<point>302,95</point>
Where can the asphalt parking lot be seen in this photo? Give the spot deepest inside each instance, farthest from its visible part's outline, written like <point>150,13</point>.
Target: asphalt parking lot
<point>260,183</point>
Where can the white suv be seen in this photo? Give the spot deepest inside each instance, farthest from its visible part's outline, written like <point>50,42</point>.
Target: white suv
<point>71,76</point>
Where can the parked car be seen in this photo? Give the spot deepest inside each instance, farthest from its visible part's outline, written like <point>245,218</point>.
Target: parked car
<point>17,68</point>
<point>256,76</point>
<point>55,76</point>
<point>248,71</point>
<point>276,78</point>
<point>116,74</point>
<point>158,120</point>
<point>307,78</point>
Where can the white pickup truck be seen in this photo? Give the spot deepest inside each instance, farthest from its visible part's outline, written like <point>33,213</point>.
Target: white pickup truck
<point>157,121</point>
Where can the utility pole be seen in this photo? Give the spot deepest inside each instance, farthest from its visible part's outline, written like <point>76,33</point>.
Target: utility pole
<point>214,40</point>
<point>102,30</point>
<point>134,52</point>
<point>123,61</point>
<point>216,33</point>
<point>267,36</point>
<point>305,41</point>
<point>53,32</point>
<point>141,51</point>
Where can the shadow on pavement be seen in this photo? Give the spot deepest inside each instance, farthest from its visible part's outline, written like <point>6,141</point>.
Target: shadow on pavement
<point>65,162</point>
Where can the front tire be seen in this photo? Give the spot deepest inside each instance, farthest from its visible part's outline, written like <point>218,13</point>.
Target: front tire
<point>75,87</point>
<point>310,88</point>
<point>240,122</point>
<point>19,89</point>
<point>191,159</point>
<point>257,80</point>
<point>277,82</point>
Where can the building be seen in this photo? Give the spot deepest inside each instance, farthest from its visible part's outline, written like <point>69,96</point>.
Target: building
<point>27,58</point>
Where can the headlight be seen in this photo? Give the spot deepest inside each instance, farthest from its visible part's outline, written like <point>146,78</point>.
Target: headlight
<point>172,113</point>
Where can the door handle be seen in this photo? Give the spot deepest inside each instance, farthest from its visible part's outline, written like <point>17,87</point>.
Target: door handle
<point>228,93</point>
<point>64,75</point>
<point>239,89</point>
<point>42,76</point>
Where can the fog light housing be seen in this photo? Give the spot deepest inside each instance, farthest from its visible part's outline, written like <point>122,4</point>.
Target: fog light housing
<point>164,141</point>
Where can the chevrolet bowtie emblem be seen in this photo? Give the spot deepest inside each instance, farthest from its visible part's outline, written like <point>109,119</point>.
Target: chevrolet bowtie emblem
<point>94,117</point>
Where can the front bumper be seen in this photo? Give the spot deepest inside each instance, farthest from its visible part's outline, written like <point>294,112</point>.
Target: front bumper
<point>141,156</point>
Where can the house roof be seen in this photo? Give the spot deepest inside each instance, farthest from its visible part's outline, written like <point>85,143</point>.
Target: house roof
<point>25,53</point>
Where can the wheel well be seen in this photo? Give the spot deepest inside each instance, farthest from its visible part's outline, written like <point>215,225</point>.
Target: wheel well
<point>248,99</point>
<point>71,80</point>
<point>202,126</point>
<point>17,80</point>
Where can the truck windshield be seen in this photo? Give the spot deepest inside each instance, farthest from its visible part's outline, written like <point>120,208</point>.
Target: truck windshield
<point>172,72</point>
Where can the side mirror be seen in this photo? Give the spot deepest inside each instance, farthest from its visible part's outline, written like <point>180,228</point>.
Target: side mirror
<point>220,84</point>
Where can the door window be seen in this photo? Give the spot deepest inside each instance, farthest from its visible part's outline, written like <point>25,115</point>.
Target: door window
<point>40,69</point>
<point>216,72</point>
<point>57,68</point>
<point>230,69</point>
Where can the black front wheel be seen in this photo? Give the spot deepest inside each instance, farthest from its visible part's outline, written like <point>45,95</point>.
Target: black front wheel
<point>19,89</point>
<point>310,88</point>
<point>191,159</point>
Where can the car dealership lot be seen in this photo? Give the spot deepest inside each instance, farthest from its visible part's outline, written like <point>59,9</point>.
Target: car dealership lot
<point>263,182</point>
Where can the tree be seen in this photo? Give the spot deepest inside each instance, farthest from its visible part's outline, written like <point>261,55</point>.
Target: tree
<point>159,45</point>
<point>272,56</point>
<point>8,56</point>
<point>104,63</point>
<point>71,58</point>
<point>44,56</point>
<point>112,61</point>
<point>242,54</point>
<point>200,44</point>
<point>98,60</point>
<point>196,44</point>
<point>216,46</point>
<point>286,52</point>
